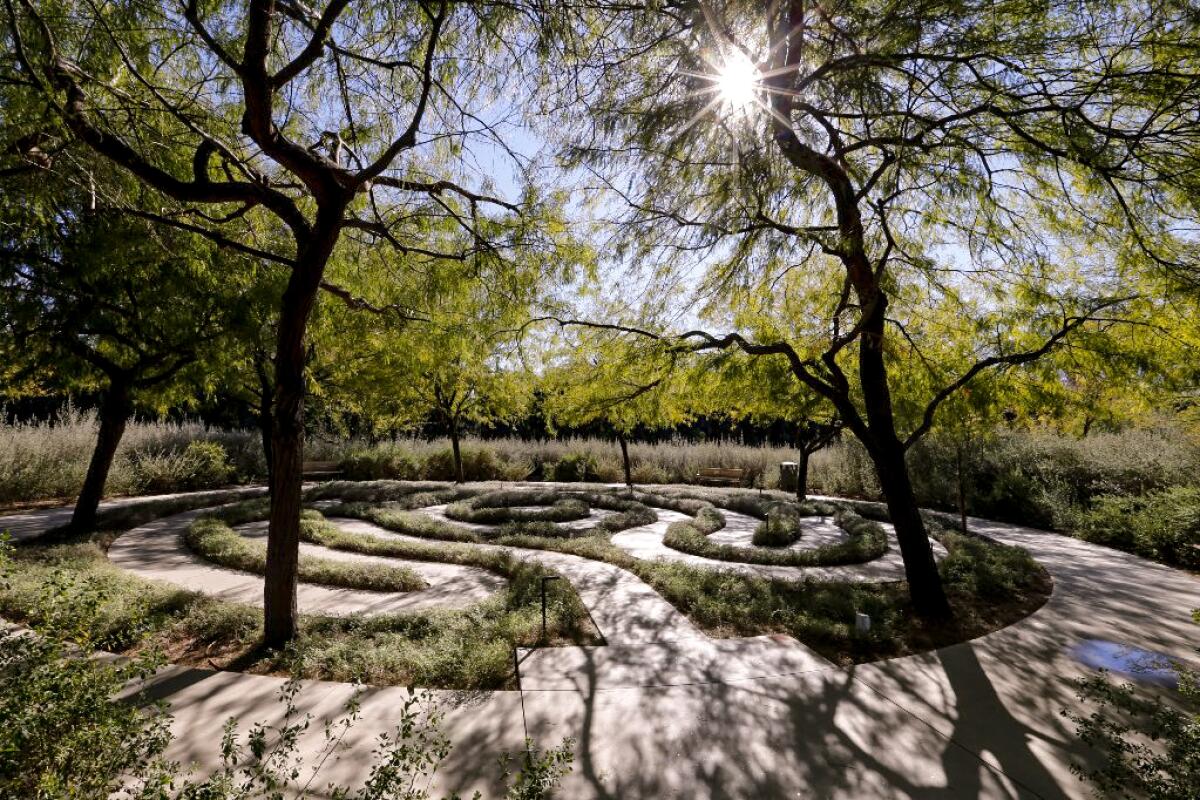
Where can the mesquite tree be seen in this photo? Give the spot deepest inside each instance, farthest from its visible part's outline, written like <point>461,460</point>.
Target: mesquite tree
<point>95,302</point>
<point>258,122</point>
<point>884,190</point>
<point>595,377</point>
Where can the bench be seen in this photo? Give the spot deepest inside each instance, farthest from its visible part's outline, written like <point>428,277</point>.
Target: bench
<point>320,470</point>
<point>718,476</point>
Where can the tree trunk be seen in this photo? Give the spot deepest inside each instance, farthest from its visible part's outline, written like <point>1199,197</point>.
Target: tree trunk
<point>266,428</point>
<point>454,448</point>
<point>625,460</point>
<point>287,435</point>
<point>888,455</point>
<point>920,569</point>
<point>802,476</point>
<point>115,409</point>
<point>962,488</point>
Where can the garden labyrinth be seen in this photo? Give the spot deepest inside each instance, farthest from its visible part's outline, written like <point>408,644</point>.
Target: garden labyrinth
<point>983,716</point>
<point>824,542</point>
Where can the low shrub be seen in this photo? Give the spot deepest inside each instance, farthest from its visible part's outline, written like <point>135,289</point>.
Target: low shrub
<point>214,540</point>
<point>629,514</point>
<point>867,541</point>
<point>783,527</point>
<point>984,569</point>
<point>575,468</point>
<point>382,462</point>
<point>495,508</point>
<point>200,465</point>
<point>479,464</point>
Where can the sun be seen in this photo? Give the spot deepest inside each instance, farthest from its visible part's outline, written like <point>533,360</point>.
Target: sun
<point>738,82</point>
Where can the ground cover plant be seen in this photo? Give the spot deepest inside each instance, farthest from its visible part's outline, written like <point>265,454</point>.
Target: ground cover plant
<point>866,540</point>
<point>213,540</point>
<point>64,736</point>
<point>494,508</point>
<point>990,585</point>
<point>471,648</point>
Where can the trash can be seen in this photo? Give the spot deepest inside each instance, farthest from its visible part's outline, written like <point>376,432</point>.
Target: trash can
<point>789,472</point>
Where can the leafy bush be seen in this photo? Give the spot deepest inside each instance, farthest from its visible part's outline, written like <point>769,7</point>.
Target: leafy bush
<point>575,467</point>
<point>1149,747</point>
<point>382,462</point>
<point>479,464</point>
<point>200,465</point>
<point>1163,525</point>
<point>985,569</point>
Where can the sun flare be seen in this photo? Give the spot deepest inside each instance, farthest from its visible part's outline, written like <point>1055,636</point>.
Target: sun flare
<point>737,82</point>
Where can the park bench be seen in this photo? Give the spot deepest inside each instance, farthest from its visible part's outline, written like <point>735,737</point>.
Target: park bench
<point>718,476</point>
<point>320,470</point>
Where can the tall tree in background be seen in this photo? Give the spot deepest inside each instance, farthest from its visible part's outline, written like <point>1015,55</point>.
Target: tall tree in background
<point>869,186</point>
<point>596,377</point>
<point>261,121</point>
<point>94,302</point>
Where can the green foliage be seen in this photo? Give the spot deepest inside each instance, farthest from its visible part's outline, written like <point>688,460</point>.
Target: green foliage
<point>494,508</point>
<point>986,570</point>
<point>1163,525</point>
<point>574,467</point>
<point>867,540</point>
<point>41,460</point>
<point>200,465</point>
<point>215,541</point>
<point>63,736</point>
<point>783,527</point>
<point>1149,745</point>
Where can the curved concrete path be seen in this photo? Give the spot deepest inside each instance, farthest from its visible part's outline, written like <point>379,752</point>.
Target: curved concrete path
<point>25,525</point>
<point>977,720</point>
<point>156,551</point>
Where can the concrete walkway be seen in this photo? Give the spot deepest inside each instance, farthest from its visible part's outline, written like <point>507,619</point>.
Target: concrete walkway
<point>25,525</point>
<point>659,718</point>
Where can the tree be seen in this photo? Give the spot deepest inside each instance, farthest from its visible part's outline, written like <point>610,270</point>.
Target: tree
<point>596,377</point>
<point>764,391</point>
<point>318,124</point>
<point>99,303</point>
<point>842,172</point>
